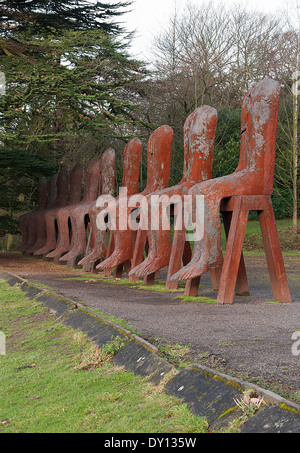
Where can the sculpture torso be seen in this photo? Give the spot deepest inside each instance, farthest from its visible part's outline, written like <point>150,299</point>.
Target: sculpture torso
<point>75,184</point>
<point>258,133</point>
<point>91,180</point>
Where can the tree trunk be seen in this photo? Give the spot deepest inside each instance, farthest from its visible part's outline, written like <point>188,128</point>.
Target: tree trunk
<point>295,139</point>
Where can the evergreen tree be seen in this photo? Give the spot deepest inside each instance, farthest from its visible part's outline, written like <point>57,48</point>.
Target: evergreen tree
<point>63,76</point>
<point>54,16</point>
<point>20,171</point>
<point>68,74</point>
<point>83,83</point>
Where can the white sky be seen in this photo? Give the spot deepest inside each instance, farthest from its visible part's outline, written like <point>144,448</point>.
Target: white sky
<point>148,17</point>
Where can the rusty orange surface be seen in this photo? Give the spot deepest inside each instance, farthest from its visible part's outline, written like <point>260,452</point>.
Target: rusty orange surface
<point>159,149</point>
<point>199,136</point>
<point>131,168</point>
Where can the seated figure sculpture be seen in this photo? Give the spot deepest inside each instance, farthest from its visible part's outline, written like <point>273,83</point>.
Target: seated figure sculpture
<point>79,212</point>
<point>199,136</point>
<point>37,222</point>
<point>131,168</point>
<point>75,180</point>
<point>159,150</point>
<point>91,182</point>
<point>253,176</point>
<point>24,218</point>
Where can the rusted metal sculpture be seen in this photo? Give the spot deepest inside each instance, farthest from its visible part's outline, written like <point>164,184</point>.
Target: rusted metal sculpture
<point>248,188</point>
<point>37,221</point>
<point>26,240</point>
<point>91,182</point>
<point>61,199</point>
<point>199,136</point>
<point>121,242</point>
<point>75,181</point>
<point>79,213</point>
<point>131,168</point>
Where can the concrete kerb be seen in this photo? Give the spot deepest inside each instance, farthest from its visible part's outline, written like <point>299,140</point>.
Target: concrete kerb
<point>207,392</point>
<point>99,329</point>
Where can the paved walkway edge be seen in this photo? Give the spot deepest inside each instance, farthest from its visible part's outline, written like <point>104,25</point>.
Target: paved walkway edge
<point>141,357</point>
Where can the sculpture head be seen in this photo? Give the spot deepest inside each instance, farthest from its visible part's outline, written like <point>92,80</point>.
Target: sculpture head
<point>131,165</point>
<point>75,184</point>
<point>91,179</point>
<point>42,193</point>
<point>199,139</point>
<point>62,187</point>
<point>159,151</point>
<point>258,130</point>
<point>107,172</point>
<point>52,191</point>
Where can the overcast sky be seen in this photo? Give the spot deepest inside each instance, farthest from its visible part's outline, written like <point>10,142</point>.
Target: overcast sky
<point>148,17</point>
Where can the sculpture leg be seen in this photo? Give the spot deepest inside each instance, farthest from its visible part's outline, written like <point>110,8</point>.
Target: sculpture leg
<point>98,238</point>
<point>78,245</point>
<point>207,252</point>
<point>160,244</point>
<point>40,232</point>
<point>123,250</point>
<point>160,240</point>
<point>63,242</point>
<point>242,287</point>
<point>176,257</point>
<point>138,253</point>
<point>24,232</point>
<point>233,252</point>
<point>111,245</point>
<point>273,252</point>
<point>50,235</point>
<point>123,242</point>
<point>32,233</point>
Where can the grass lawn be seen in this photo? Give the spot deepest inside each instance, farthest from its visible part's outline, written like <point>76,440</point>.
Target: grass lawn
<point>253,225</point>
<point>53,379</point>
<point>253,240</point>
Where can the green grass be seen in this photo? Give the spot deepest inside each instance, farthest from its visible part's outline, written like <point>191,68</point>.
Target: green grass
<point>53,379</point>
<point>158,286</point>
<point>253,225</point>
<point>121,322</point>
<point>253,240</point>
<point>179,355</point>
<point>41,285</point>
<point>198,299</point>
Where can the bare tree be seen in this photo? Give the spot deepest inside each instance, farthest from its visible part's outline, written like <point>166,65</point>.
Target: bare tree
<point>289,56</point>
<point>211,54</point>
<point>295,92</point>
<point>255,38</point>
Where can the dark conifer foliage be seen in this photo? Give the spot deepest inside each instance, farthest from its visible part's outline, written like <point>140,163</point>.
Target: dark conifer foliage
<point>44,16</point>
<point>71,89</point>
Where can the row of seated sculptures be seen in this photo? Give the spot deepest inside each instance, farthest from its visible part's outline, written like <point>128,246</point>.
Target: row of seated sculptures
<point>58,228</point>
<point>58,225</point>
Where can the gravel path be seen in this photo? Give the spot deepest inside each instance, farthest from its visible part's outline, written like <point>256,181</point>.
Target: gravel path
<point>253,336</point>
